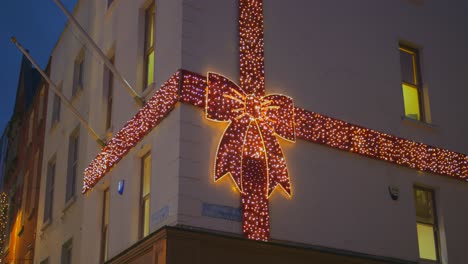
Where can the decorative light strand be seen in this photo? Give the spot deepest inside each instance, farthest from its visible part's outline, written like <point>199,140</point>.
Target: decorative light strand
<point>249,151</point>
<point>251,51</point>
<point>154,111</point>
<point>339,134</point>
<point>345,136</point>
<point>3,220</point>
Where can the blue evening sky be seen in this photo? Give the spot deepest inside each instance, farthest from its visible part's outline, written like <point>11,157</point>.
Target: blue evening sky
<point>36,24</point>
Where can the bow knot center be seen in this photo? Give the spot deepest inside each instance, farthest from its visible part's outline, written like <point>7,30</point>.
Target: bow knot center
<point>253,106</point>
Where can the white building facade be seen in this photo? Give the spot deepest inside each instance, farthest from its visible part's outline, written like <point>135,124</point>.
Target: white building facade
<point>342,59</point>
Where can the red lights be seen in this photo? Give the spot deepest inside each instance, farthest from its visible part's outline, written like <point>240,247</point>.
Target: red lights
<point>249,151</point>
<point>154,111</point>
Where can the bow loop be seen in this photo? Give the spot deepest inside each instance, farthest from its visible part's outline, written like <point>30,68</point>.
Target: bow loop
<point>279,112</point>
<point>224,99</point>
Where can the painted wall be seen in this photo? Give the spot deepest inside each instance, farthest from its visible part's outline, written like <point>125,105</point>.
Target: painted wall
<point>119,30</point>
<point>340,59</point>
<point>65,223</point>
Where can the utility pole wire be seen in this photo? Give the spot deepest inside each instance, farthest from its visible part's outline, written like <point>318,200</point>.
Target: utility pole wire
<point>59,93</point>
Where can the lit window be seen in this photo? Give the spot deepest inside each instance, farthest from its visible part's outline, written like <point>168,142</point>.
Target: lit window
<point>149,46</point>
<point>411,83</point>
<point>145,195</point>
<point>78,74</point>
<point>426,223</point>
<point>105,226</point>
<point>73,150</point>
<point>49,195</point>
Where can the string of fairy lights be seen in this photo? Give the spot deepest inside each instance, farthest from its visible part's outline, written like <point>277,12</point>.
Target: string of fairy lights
<point>136,129</point>
<point>3,220</point>
<point>249,150</point>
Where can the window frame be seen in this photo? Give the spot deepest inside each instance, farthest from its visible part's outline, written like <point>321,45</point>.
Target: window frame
<point>34,182</point>
<point>435,225</point>
<point>56,107</point>
<point>50,186</point>
<point>148,47</point>
<point>416,66</point>
<point>41,105</point>
<point>72,165</point>
<point>105,226</point>
<point>109,86</point>
<point>144,198</point>
<point>31,126</point>
<point>78,73</point>
<point>67,247</point>
<point>109,3</point>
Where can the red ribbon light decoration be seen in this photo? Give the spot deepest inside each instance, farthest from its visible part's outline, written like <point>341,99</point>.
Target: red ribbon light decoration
<point>249,150</point>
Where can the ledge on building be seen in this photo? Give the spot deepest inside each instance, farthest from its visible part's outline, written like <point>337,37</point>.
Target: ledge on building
<point>68,204</point>
<point>202,246</point>
<point>418,123</point>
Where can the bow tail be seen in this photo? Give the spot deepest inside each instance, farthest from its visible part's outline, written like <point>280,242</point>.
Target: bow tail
<point>277,170</point>
<point>229,154</point>
<point>255,209</point>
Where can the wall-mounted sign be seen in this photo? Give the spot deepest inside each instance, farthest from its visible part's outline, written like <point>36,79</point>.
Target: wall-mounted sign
<point>121,187</point>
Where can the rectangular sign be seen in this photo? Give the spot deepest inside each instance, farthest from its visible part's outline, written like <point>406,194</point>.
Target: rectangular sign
<point>222,212</point>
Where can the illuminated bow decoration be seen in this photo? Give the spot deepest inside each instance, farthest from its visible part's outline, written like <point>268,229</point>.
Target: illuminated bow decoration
<point>254,122</point>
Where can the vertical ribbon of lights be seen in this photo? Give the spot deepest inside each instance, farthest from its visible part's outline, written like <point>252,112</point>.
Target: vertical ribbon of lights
<point>254,196</point>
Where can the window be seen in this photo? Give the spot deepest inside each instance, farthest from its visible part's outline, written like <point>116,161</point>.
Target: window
<point>34,179</point>
<point>49,194</point>
<point>426,223</point>
<point>149,46</point>
<point>56,108</point>
<point>78,77</point>
<point>67,252</point>
<point>28,257</point>
<point>26,191</point>
<point>145,195</point>
<point>109,93</point>
<point>105,225</point>
<point>411,83</point>
<point>73,151</point>
<point>40,110</point>
<point>31,127</point>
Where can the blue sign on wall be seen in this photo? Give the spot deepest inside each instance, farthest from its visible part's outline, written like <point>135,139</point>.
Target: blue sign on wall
<point>160,215</point>
<point>222,212</point>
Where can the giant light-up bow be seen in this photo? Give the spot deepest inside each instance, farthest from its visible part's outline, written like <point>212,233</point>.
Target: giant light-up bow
<point>249,150</point>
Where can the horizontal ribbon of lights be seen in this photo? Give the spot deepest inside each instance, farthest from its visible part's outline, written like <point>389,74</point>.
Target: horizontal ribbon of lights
<point>309,126</point>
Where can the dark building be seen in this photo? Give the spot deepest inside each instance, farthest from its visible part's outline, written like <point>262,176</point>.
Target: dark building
<point>23,159</point>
